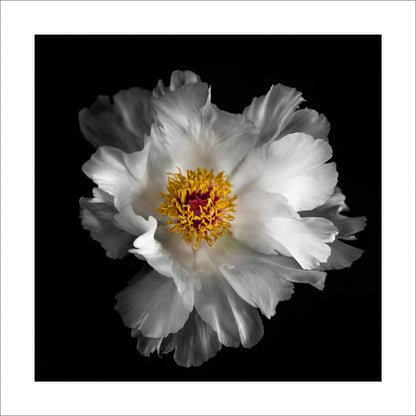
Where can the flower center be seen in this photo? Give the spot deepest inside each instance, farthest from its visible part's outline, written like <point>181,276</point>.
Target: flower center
<point>199,205</point>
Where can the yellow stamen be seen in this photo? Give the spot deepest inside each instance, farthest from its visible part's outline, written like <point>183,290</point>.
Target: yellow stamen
<point>199,205</point>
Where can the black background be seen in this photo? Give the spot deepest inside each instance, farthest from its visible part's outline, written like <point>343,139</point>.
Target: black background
<point>334,335</point>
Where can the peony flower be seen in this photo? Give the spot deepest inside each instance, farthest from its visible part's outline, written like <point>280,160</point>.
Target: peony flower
<point>228,211</point>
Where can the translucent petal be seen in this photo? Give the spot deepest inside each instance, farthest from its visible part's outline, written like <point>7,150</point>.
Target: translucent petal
<point>122,123</point>
<point>227,313</point>
<point>194,344</point>
<point>271,112</point>
<point>97,216</point>
<point>309,122</point>
<point>152,304</point>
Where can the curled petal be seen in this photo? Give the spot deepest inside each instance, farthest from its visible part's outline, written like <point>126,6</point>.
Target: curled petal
<point>177,80</point>
<point>146,345</point>
<point>97,216</point>
<point>122,123</point>
<point>152,304</point>
<point>165,261</point>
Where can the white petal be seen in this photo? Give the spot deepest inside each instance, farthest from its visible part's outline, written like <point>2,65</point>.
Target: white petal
<point>294,167</point>
<point>97,216</point>
<point>122,175</point>
<point>191,133</point>
<point>122,124</point>
<point>127,220</point>
<point>231,317</point>
<point>305,239</point>
<point>266,223</point>
<point>309,122</point>
<point>177,80</point>
<point>261,280</point>
<point>194,344</point>
<point>176,109</point>
<point>254,276</point>
<point>342,256</point>
<point>271,112</point>
<point>153,305</point>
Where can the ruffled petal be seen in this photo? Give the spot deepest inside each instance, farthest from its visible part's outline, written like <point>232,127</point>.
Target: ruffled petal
<point>194,344</point>
<point>177,80</point>
<point>342,256</point>
<point>122,175</point>
<point>293,167</point>
<point>97,216</point>
<point>228,314</point>
<point>152,304</point>
<point>122,123</point>
<point>191,132</point>
<point>266,223</point>
<point>309,122</point>
<point>271,112</point>
<point>175,110</point>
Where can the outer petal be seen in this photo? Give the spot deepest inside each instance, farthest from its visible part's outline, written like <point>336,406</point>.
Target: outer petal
<point>309,122</point>
<point>145,345</point>
<point>153,305</point>
<point>121,124</point>
<point>266,223</point>
<point>342,256</point>
<point>194,344</point>
<point>120,174</point>
<point>293,167</point>
<point>97,216</point>
<point>232,318</point>
<point>271,112</point>
<point>177,80</point>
